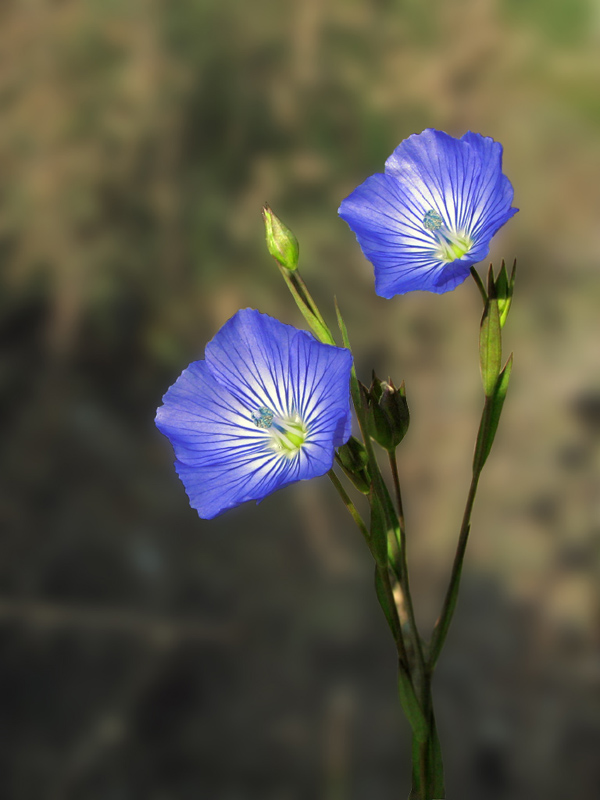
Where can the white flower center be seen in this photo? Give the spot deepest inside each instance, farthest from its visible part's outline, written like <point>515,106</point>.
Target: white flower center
<point>286,434</point>
<point>451,244</point>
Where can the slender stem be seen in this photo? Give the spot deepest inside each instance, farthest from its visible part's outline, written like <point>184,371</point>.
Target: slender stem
<point>350,506</point>
<point>443,624</point>
<point>306,304</point>
<point>397,627</point>
<point>423,770</point>
<point>403,565</point>
<point>394,467</point>
<point>302,287</point>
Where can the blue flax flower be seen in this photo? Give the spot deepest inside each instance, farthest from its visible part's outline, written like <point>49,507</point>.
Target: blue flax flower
<point>266,407</point>
<point>432,214</point>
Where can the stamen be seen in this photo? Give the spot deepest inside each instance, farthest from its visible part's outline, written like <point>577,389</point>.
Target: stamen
<point>287,434</point>
<point>432,220</point>
<point>263,418</point>
<point>451,244</point>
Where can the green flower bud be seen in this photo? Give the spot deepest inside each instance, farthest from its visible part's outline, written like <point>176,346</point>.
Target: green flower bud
<point>281,242</point>
<point>353,458</point>
<point>387,412</point>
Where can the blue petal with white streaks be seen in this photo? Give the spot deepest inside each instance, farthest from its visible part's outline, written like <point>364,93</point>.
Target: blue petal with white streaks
<point>262,383</point>
<point>432,215</point>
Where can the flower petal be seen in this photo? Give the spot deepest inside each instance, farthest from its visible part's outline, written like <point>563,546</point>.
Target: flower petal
<point>250,356</point>
<point>492,194</point>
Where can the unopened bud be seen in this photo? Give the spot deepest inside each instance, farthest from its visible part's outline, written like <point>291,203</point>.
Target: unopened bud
<point>353,458</point>
<point>388,416</point>
<point>281,242</point>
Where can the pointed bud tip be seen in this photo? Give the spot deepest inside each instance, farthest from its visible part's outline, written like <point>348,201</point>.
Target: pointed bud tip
<point>281,242</point>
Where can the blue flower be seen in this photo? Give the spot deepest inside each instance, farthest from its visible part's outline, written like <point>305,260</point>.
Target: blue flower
<point>432,215</point>
<point>268,406</point>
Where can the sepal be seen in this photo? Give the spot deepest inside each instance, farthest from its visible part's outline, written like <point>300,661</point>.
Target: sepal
<point>504,291</point>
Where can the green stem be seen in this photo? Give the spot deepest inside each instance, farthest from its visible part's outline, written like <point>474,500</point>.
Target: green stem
<point>396,479</point>
<point>303,288</point>
<point>443,624</point>
<point>350,506</point>
<point>402,567</point>
<point>427,766</point>
<point>307,305</point>
<point>423,771</point>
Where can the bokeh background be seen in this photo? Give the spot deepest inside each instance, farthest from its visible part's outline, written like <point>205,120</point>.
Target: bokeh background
<point>146,654</point>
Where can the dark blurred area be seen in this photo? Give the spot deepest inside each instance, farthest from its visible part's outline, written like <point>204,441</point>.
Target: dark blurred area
<point>148,655</point>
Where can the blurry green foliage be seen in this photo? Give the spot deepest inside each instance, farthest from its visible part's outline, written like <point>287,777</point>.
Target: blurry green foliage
<point>563,23</point>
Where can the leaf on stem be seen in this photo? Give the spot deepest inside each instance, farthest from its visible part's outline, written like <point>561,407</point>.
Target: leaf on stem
<point>342,325</point>
<point>491,418</point>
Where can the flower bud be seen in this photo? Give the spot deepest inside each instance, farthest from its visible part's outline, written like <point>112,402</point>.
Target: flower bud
<point>281,242</point>
<point>353,458</point>
<point>387,412</point>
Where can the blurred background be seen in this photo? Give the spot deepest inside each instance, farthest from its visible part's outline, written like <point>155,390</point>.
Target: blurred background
<point>146,654</point>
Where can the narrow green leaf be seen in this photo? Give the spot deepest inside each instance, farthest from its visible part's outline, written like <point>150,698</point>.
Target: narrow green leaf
<point>490,346</point>
<point>479,283</point>
<point>342,325</point>
<point>491,284</point>
<point>357,396</point>
<point>491,418</point>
